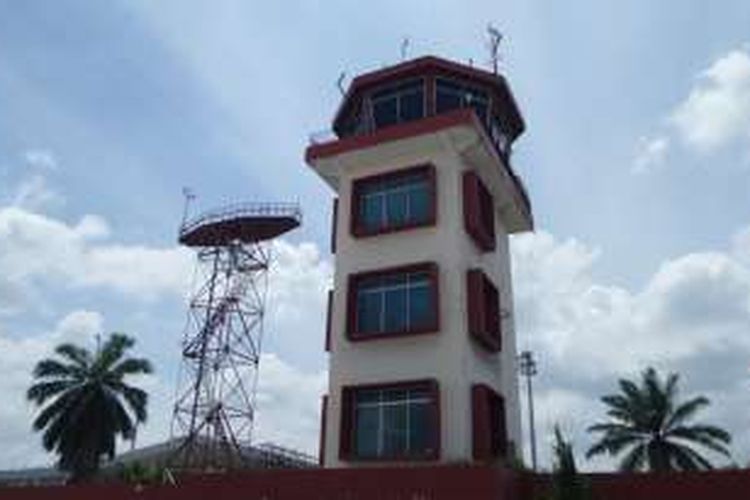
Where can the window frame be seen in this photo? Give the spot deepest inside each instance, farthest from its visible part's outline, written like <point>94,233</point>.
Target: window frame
<point>431,268</point>
<point>471,87</point>
<point>357,227</point>
<point>397,93</point>
<point>348,427</point>
<point>483,310</point>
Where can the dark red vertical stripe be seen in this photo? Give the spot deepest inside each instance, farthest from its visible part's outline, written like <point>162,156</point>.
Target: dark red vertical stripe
<point>480,413</point>
<point>334,224</point>
<point>329,320</point>
<point>347,424</point>
<point>323,424</point>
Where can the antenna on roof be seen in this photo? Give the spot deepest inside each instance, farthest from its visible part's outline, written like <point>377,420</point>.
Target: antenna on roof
<point>493,44</point>
<point>340,82</point>
<point>189,196</point>
<point>404,47</point>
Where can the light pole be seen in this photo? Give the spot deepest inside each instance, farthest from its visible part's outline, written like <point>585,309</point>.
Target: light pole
<point>527,365</point>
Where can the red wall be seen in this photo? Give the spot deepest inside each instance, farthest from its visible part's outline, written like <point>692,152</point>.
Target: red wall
<point>711,485</point>
<point>423,483</point>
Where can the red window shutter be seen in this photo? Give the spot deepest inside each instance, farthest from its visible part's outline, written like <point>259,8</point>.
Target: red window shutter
<point>479,217</point>
<point>500,434</point>
<point>480,416</point>
<point>475,303</point>
<point>483,310</point>
<point>346,424</point>
<point>329,319</point>
<point>323,423</point>
<point>492,316</point>
<point>334,224</point>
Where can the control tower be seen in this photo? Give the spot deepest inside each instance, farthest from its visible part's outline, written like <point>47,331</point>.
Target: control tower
<point>421,333</point>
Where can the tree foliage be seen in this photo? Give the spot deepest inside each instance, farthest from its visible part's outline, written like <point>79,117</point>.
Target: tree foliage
<point>86,404</point>
<point>652,431</point>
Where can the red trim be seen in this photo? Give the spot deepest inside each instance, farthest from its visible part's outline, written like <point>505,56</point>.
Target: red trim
<point>351,310</point>
<point>489,435</point>
<point>329,320</point>
<point>355,227</point>
<point>348,420</point>
<point>462,116</point>
<point>483,310</point>
<point>334,223</point>
<point>323,422</point>
<point>479,212</point>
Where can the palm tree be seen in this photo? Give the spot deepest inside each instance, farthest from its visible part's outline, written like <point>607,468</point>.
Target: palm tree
<point>653,430</point>
<point>88,403</point>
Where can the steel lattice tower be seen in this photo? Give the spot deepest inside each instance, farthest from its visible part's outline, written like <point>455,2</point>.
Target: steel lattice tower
<point>215,405</point>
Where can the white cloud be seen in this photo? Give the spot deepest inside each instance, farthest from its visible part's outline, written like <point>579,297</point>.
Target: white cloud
<point>692,316</point>
<point>289,404</point>
<point>41,159</point>
<point>717,110</point>
<point>34,193</point>
<point>650,154</point>
<point>38,249</point>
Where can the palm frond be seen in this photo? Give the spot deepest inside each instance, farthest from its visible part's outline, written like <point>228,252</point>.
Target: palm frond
<point>132,366</point>
<point>60,406</point>
<point>42,391</point>
<point>113,350</point>
<point>52,368</point>
<point>78,355</point>
<point>686,410</point>
<point>634,459</point>
<point>708,436</point>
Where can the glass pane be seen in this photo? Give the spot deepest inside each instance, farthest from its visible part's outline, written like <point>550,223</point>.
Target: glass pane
<point>371,211</point>
<point>419,203</point>
<point>412,106</point>
<point>396,207</point>
<point>366,434</point>
<point>420,305</point>
<point>446,101</point>
<point>385,111</point>
<point>395,430</point>
<point>369,310</point>
<point>395,310</point>
<point>419,428</point>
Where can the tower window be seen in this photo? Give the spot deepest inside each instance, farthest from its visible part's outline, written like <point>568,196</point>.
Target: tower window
<point>479,212</point>
<point>483,310</point>
<point>450,94</point>
<point>398,103</point>
<point>489,434</point>
<point>398,301</point>
<point>393,421</point>
<point>393,201</point>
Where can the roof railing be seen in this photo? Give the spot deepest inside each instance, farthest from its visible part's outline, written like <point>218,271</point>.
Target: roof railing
<point>239,210</point>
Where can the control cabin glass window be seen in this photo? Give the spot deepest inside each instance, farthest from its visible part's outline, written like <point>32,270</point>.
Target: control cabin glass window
<point>450,94</point>
<point>391,422</point>
<point>394,302</point>
<point>398,103</point>
<point>394,201</point>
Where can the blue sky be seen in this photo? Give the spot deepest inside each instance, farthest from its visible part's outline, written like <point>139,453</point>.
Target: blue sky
<point>637,159</point>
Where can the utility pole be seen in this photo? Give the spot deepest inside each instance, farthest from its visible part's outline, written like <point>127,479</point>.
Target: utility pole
<point>528,369</point>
